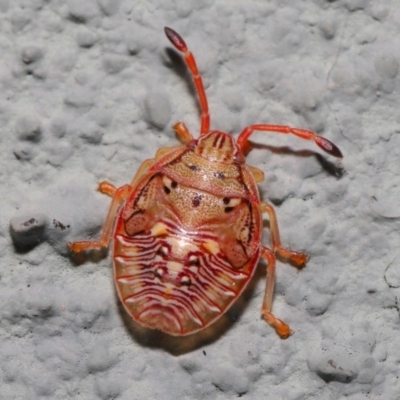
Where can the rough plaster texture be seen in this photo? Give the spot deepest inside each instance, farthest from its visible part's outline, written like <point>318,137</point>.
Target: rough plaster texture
<point>89,89</point>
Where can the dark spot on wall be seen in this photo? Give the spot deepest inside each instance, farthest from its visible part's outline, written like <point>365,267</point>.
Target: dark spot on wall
<point>174,184</point>
<point>226,200</point>
<point>228,209</point>
<point>167,190</point>
<point>219,175</point>
<point>56,223</point>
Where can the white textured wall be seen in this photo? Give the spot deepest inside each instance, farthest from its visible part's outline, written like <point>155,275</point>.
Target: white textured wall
<point>88,91</point>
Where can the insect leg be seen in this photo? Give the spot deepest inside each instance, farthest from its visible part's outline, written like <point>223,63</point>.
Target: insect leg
<point>281,328</point>
<point>180,45</point>
<point>297,258</point>
<point>119,195</point>
<point>183,132</point>
<point>107,188</point>
<point>323,143</point>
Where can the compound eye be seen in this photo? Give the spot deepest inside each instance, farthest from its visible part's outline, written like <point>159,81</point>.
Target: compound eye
<point>239,158</point>
<point>192,144</point>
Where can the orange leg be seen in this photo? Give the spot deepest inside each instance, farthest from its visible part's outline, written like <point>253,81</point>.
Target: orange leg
<point>107,188</point>
<point>183,132</point>
<point>118,195</point>
<point>323,143</point>
<point>297,258</point>
<point>281,328</point>
<point>180,44</point>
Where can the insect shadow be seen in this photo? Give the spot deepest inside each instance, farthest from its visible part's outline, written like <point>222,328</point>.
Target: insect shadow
<point>328,166</point>
<point>179,345</point>
<point>177,65</point>
<point>23,248</point>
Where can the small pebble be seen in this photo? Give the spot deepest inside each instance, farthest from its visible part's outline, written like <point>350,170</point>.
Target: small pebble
<point>28,230</point>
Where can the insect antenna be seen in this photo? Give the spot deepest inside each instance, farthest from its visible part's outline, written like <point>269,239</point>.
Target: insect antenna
<point>190,61</point>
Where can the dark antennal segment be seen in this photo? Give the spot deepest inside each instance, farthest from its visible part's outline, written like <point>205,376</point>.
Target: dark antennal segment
<point>328,147</point>
<point>180,45</point>
<point>175,39</point>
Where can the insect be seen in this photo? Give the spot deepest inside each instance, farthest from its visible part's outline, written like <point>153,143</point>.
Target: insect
<point>186,231</point>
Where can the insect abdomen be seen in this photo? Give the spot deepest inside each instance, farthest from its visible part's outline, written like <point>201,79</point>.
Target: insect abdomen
<point>175,282</point>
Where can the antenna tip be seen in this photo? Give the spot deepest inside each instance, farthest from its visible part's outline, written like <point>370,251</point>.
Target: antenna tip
<point>175,39</point>
<point>328,147</point>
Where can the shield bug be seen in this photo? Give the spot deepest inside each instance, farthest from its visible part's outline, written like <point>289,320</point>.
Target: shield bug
<point>186,231</point>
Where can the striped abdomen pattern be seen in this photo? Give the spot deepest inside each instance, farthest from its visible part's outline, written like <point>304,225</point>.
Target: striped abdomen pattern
<point>174,280</point>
